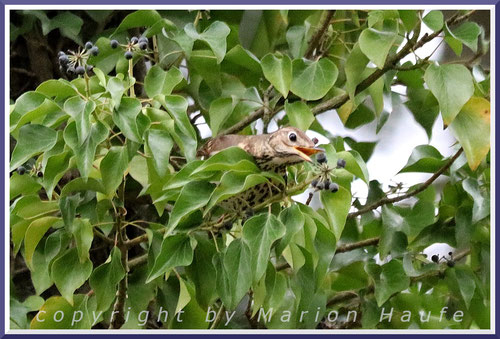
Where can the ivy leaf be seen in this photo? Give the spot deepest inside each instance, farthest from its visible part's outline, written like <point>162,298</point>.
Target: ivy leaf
<point>481,198</point>
<point>313,79</point>
<point>33,139</point>
<point>234,273</point>
<point>128,118</point>
<point>105,278</point>
<point>299,115</point>
<point>69,273</point>
<point>278,71</point>
<point>193,196</point>
<point>219,112</point>
<point>158,81</point>
<point>471,127</point>
<point>176,250</point>
<point>452,86</point>
<point>294,220</point>
<point>84,236</point>
<point>467,33</point>
<point>214,36</point>
<point>54,305</point>
<point>80,111</point>
<point>337,207</point>
<point>113,167</point>
<point>159,144</point>
<point>434,20</point>
<point>424,158</point>
<point>34,233</point>
<point>85,153</point>
<point>116,88</point>
<point>55,168</point>
<point>424,107</point>
<point>260,232</point>
<point>355,164</point>
<point>389,279</point>
<point>376,44</point>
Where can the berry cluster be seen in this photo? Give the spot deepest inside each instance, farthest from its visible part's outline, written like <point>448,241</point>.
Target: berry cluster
<point>450,262</point>
<point>31,166</point>
<point>323,183</point>
<point>135,44</point>
<point>76,62</point>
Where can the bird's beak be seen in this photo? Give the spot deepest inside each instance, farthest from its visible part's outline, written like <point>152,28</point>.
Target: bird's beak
<point>305,152</point>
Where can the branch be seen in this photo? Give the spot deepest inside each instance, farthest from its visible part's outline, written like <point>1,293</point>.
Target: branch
<point>356,245</point>
<point>348,295</point>
<point>421,188</point>
<point>316,38</point>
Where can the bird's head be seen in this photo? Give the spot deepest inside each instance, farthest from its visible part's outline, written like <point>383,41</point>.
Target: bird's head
<point>291,145</point>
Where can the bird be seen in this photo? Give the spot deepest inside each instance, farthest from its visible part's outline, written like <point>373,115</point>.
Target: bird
<point>272,152</point>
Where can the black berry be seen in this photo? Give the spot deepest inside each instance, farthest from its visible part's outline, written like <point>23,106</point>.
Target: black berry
<point>39,174</point>
<point>88,45</point>
<point>113,43</point>
<point>129,55</point>
<point>143,45</point>
<point>94,50</point>
<point>79,70</point>
<point>60,53</point>
<point>341,163</point>
<point>435,258</point>
<point>315,140</point>
<point>143,39</point>
<point>321,158</point>
<point>320,186</point>
<point>21,170</point>
<point>450,263</point>
<point>70,70</point>
<point>333,187</point>
<point>63,59</point>
<point>134,40</point>
<point>314,183</point>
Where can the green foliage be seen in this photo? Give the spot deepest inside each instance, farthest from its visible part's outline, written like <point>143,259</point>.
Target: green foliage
<point>113,210</point>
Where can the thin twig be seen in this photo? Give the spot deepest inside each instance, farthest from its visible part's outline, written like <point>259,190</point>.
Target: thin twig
<point>316,38</point>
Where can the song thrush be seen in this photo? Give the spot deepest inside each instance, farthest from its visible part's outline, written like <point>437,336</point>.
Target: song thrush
<point>272,152</point>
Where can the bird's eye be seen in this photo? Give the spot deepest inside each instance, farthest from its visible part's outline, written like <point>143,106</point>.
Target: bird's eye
<point>292,136</point>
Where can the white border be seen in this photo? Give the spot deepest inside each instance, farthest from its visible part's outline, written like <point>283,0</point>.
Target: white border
<point>9,8</point>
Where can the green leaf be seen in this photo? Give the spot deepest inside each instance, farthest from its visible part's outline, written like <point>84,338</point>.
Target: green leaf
<point>159,144</point>
<point>113,167</point>
<point>33,139</point>
<point>214,36</point>
<point>59,89</point>
<point>80,110</point>
<point>56,167</point>
<point>69,273</point>
<point>55,305</point>
<point>409,18</point>
<point>105,278</point>
<point>376,44</point>
<point>481,198</point>
<point>337,207</point>
<point>260,232</point>
<point>219,112</point>
<point>389,279</point>
<point>234,273</point>
<point>355,164</point>
<point>176,106</point>
<point>424,158</point>
<point>278,71</point>
<point>176,250</point>
<point>354,66</point>
<point>293,219</point>
<point>85,152</point>
<point>193,196</point>
<point>47,108</point>
<point>140,18</point>
<point>434,20</point>
<point>157,81</point>
<point>471,128</point>
<point>116,88</point>
<point>466,283</point>
<point>424,107</point>
<point>452,86</point>
<point>22,184</point>
<point>313,79</point>
<point>299,115</point>
<point>126,117</point>
<point>233,183</point>
<point>84,236</point>
<point>467,33</point>
<point>82,184</point>
<point>34,233</point>
<point>231,158</point>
